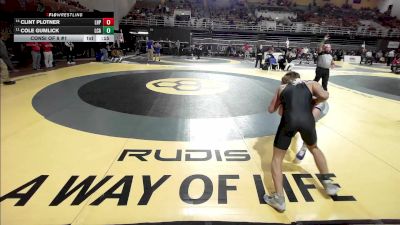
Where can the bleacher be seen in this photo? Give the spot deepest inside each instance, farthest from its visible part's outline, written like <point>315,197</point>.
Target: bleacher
<point>46,6</point>
<point>232,38</point>
<point>240,15</point>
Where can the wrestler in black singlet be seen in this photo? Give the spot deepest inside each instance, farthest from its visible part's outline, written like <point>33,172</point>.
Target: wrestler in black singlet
<point>297,116</point>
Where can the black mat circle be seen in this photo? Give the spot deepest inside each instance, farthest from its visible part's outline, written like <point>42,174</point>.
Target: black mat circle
<point>386,87</point>
<point>237,113</point>
<point>128,94</point>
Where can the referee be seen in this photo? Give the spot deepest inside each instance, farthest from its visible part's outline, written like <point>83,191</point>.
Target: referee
<point>324,63</point>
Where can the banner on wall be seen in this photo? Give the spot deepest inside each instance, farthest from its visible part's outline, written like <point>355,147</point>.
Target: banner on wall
<point>352,59</point>
<point>393,44</point>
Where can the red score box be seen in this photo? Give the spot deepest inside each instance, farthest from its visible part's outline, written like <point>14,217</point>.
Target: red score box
<point>108,21</point>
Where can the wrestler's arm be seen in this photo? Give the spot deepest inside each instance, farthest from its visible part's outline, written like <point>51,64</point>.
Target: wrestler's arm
<point>275,102</point>
<point>319,92</point>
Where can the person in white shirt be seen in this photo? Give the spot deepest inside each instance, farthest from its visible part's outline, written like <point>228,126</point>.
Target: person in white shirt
<point>178,47</point>
<point>368,57</point>
<point>324,63</point>
<point>48,54</point>
<point>390,57</point>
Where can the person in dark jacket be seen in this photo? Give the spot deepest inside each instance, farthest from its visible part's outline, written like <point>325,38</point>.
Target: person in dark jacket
<point>5,64</point>
<point>259,56</point>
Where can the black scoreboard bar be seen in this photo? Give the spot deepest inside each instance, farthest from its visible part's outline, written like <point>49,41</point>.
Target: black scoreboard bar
<point>59,30</point>
<point>60,27</point>
<point>31,22</point>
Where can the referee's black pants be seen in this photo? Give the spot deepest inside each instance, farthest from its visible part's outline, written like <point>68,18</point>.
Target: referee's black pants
<point>258,58</point>
<point>324,74</point>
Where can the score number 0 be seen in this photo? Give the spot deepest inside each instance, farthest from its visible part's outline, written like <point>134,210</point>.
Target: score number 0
<point>108,21</point>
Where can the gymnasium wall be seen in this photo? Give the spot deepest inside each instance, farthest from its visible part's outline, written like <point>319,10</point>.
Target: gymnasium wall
<point>166,33</point>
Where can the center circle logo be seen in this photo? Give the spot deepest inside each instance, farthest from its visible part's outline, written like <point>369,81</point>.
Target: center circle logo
<point>188,86</point>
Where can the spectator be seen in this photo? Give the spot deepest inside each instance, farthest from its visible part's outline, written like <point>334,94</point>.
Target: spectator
<point>178,47</point>
<point>36,56</point>
<point>379,55</point>
<point>157,51</point>
<point>259,55</point>
<point>368,57</point>
<point>395,63</point>
<point>48,54</point>
<point>70,52</point>
<point>149,49</point>
<point>198,49</point>
<point>246,49</point>
<point>271,62</point>
<point>5,63</point>
<point>390,56</point>
<point>104,54</point>
<point>40,7</point>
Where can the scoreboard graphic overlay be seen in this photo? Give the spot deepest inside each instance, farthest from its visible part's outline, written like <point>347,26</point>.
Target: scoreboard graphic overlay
<point>64,27</point>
